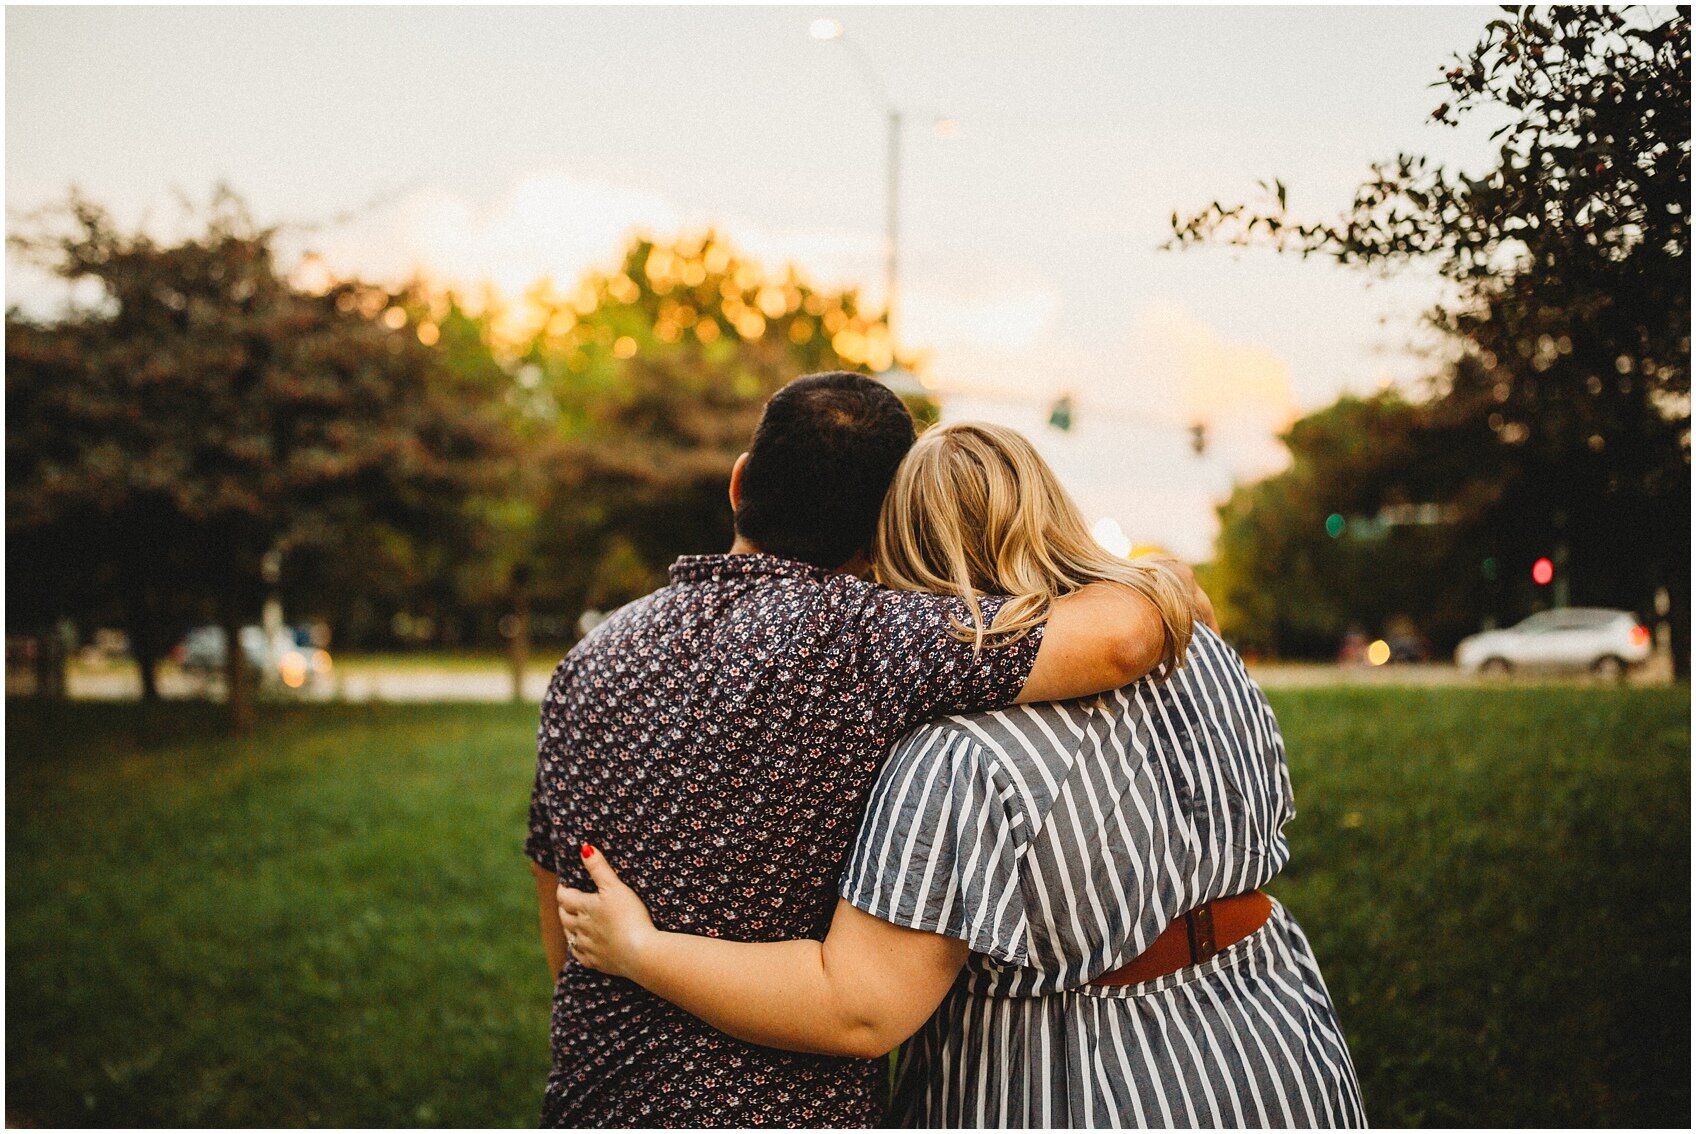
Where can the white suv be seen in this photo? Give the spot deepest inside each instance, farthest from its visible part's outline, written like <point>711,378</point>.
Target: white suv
<point>1606,642</point>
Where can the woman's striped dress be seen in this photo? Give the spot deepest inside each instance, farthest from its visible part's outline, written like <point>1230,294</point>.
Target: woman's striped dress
<point>1058,840</point>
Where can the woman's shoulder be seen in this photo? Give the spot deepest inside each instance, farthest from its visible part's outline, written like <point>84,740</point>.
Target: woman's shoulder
<point>1020,743</point>
<point>1213,668</point>
<point>944,736</point>
<point>961,744</point>
<point>987,731</point>
<point>949,774</point>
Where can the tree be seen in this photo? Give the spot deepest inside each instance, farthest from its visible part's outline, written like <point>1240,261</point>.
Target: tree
<point>1339,538</point>
<point>642,386</point>
<point>1569,263</point>
<point>205,413</point>
<point>451,574</point>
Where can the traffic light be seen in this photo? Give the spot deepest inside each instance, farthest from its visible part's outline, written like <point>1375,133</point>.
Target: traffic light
<point>1060,414</point>
<point>1198,438</point>
<point>1543,571</point>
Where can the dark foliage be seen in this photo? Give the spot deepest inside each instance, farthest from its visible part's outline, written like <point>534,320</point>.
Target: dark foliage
<point>1569,262</point>
<point>205,413</point>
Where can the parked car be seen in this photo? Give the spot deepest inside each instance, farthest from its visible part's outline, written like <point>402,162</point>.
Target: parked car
<point>1605,642</point>
<point>288,658</point>
<point>1405,647</point>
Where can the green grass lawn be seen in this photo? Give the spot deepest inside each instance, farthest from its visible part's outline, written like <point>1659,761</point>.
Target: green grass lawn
<point>331,924</point>
<point>328,925</point>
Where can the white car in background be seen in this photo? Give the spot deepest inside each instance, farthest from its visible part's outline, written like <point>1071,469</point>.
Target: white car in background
<point>1604,642</point>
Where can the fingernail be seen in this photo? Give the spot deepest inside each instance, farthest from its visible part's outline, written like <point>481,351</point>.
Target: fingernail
<point>588,850</point>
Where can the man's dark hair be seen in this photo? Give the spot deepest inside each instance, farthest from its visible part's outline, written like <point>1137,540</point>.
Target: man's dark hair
<point>819,466</point>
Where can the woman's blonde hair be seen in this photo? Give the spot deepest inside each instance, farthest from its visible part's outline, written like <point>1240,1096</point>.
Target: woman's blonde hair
<point>975,510</point>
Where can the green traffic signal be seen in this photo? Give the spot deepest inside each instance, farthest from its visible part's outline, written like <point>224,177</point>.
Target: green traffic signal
<point>1060,415</point>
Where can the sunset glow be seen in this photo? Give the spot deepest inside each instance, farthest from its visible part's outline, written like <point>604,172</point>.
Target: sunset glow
<point>1030,216</point>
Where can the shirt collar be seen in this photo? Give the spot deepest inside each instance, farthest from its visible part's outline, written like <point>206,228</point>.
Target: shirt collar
<point>714,568</point>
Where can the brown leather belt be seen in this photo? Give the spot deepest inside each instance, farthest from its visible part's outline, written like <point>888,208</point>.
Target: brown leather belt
<point>1194,938</point>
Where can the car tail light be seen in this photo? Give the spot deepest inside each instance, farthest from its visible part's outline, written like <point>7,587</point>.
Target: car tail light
<point>1640,635</point>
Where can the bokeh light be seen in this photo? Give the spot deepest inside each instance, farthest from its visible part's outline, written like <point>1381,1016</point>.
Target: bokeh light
<point>1378,653</point>
<point>292,667</point>
<point>1110,535</point>
<point>1543,572</point>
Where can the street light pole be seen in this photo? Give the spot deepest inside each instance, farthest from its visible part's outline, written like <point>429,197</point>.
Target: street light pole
<point>892,233</point>
<point>828,29</point>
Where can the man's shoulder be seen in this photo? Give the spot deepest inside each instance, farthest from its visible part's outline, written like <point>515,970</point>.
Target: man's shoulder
<point>875,601</point>
<point>627,617</point>
<point>607,632</point>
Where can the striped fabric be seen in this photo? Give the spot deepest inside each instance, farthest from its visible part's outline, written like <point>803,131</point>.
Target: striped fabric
<point>1058,840</point>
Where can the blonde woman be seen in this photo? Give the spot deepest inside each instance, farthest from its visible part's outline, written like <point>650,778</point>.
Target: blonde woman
<point>1058,903</point>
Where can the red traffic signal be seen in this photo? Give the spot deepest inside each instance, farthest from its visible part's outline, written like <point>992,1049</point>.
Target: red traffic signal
<point>1543,572</point>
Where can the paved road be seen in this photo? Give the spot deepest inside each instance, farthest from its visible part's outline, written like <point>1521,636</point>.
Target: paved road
<point>410,684</point>
<point>493,684</point>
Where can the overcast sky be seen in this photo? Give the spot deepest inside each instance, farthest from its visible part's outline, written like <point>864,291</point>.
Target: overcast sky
<point>504,144</point>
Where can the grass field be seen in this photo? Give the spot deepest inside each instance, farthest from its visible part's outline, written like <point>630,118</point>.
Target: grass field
<point>331,924</point>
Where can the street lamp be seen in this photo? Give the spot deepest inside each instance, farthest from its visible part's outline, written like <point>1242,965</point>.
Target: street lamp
<point>829,29</point>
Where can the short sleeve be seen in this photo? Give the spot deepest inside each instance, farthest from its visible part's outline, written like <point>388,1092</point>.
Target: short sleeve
<point>938,848</point>
<point>916,660</point>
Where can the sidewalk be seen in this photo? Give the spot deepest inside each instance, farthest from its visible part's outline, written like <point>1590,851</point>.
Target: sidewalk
<point>122,682</point>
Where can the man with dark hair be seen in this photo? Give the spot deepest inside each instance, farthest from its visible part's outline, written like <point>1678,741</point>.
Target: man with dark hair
<point>820,463</point>
<point>722,734</point>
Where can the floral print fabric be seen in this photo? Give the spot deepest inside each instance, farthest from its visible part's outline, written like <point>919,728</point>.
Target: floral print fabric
<point>716,740</point>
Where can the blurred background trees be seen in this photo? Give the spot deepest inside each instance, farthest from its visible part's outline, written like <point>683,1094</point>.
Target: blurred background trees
<point>415,466</point>
<point>1383,517</point>
<point>203,415</point>
<point>638,389</point>
<point>1566,429</point>
<point>407,468</point>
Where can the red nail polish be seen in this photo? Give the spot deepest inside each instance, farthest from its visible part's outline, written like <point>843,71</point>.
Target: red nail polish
<point>588,850</point>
